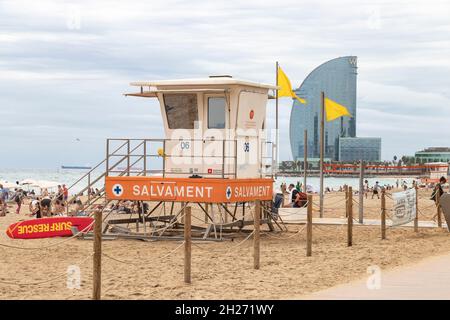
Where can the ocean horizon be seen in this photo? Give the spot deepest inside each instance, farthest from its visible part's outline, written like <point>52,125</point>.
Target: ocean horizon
<point>70,176</point>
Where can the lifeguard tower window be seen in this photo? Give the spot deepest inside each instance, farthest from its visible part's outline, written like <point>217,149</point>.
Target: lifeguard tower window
<point>181,110</point>
<point>216,112</point>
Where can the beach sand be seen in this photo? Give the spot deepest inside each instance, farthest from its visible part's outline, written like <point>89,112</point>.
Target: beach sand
<point>220,270</point>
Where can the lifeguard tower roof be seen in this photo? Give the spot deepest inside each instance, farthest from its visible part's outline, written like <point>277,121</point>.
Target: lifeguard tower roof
<point>212,81</point>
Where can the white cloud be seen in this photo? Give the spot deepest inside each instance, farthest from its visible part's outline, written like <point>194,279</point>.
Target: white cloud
<point>54,77</point>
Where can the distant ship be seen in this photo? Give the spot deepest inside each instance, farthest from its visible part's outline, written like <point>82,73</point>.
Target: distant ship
<point>76,167</point>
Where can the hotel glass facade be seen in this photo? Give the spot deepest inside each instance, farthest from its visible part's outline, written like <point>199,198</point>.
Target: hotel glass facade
<point>433,155</point>
<point>355,149</point>
<point>337,78</point>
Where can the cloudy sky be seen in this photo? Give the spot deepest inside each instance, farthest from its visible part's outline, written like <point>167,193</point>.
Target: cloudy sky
<point>64,66</point>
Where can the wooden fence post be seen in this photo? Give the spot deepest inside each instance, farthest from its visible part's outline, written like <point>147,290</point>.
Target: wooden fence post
<point>207,211</point>
<point>187,244</point>
<point>309,226</point>
<point>350,216</point>
<point>416,219</point>
<point>383,214</point>
<point>97,268</point>
<point>256,248</point>
<point>346,201</point>
<point>438,208</point>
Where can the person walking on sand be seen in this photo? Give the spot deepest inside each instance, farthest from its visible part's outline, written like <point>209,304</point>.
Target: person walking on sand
<point>376,189</point>
<point>366,188</point>
<point>18,199</point>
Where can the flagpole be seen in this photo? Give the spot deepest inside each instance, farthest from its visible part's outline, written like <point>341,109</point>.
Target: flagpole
<point>322,147</point>
<point>276,118</point>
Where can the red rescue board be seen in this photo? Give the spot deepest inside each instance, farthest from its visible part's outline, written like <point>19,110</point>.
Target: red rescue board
<point>48,227</point>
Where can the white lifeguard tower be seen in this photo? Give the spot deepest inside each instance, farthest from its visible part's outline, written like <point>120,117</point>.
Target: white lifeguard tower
<point>213,127</point>
<point>214,154</point>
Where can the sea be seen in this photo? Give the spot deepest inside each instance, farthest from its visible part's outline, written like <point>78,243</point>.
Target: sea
<point>70,176</point>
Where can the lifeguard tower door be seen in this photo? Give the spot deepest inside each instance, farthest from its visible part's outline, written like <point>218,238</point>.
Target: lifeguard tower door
<point>218,149</point>
<point>250,142</point>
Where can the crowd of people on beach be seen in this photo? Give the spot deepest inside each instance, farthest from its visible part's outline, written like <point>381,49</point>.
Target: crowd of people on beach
<point>297,193</point>
<point>46,204</point>
<point>50,204</point>
<point>57,203</point>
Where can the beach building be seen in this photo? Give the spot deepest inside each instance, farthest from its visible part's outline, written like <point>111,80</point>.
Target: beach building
<point>355,149</point>
<point>433,154</point>
<point>338,79</point>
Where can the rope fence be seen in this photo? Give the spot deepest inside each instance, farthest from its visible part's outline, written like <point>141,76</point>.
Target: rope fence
<point>333,203</point>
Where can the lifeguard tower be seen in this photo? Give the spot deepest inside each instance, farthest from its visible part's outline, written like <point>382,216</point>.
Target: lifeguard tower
<point>214,153</point>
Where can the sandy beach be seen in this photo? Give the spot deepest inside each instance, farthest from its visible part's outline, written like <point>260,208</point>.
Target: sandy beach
<point>133,269</point>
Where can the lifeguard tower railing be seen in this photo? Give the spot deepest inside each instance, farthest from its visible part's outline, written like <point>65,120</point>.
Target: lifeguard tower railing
<point>140,157</point>
<point>143,157</point>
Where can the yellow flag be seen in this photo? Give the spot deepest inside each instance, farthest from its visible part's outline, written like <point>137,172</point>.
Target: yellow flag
<point>335,110</point>
<point>286,88</point>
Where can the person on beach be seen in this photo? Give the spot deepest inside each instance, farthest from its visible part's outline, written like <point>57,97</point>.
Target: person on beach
<point>376,189</point>
<point>65,193</point>
<point>18,199</point>
<point>277,202</point>
<point>301,199</point>
<point>58,209</point>
<point>35,208</point>
<point>283,188</point>
<point>46,206</point>
<point>293,193</point>
<point>60,194</point>
<point>297,199</point>
<point>438,188</point>
<point>79,212</point>
<point>3,206</point>
<point>404,185</point>
<point>366,188</point>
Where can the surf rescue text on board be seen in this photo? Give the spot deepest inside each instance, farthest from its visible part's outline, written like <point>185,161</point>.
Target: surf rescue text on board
<point>44,227</point>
